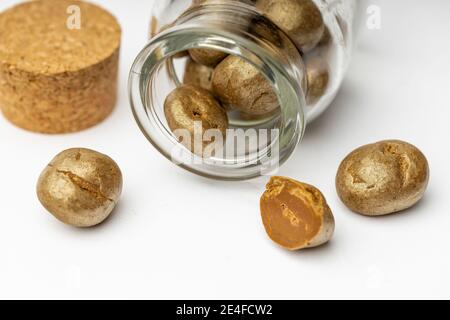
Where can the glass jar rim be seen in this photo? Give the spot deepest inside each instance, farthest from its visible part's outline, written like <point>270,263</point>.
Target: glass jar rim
<point>182,38</point>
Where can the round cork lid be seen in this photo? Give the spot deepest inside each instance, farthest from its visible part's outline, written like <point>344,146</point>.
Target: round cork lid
<point>56,36</point>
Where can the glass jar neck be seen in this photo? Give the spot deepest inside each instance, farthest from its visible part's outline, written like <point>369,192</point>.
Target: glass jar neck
<point>239,30</point>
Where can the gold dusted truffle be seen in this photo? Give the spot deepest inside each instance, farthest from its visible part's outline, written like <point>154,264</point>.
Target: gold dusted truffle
<point>207,57</point>
<point>189,105</point>
<point>382,178</point>
<point>54,76</point>
<point>300,19</point>
<point>198,75</point>
<point>80,187</point>
<point>251,117</point>
<point>200,2</point>
<point>318,79</point>
<point>296,215</point>
<point>239,85</point>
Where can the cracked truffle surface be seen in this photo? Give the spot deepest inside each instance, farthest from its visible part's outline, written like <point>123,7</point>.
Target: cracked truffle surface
<point>80,187</point>
<point>382,178</point>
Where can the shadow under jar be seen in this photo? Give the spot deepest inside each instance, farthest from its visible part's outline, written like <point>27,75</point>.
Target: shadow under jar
<point>272,66</point>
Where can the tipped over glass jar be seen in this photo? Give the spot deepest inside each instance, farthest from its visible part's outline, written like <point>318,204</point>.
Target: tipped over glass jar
<point>225,88</point>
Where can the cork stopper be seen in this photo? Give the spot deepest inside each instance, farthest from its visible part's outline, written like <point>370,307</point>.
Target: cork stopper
<point>58,65</point>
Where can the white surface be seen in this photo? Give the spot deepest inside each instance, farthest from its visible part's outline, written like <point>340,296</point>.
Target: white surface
<point>175,235</point>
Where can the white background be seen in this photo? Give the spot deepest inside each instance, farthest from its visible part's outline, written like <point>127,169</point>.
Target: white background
<point>175,235</point>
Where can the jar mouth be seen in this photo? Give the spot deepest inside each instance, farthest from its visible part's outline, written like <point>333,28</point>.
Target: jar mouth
<point>144,89</point>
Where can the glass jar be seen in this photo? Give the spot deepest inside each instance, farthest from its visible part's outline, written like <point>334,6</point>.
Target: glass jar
<point>304,70</point>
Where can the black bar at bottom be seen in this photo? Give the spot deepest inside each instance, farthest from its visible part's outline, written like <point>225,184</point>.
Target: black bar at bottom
<point>224,309</point>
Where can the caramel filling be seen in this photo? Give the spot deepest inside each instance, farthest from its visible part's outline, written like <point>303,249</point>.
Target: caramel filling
<point>291,213</point>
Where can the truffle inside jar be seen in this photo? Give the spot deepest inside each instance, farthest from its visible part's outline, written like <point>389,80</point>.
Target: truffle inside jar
<point>242,87</point>
<point>196,118</point>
